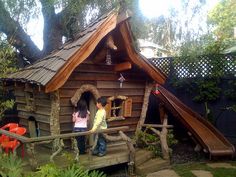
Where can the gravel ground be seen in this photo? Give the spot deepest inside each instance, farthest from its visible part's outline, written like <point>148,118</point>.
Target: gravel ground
<point>183,152</point>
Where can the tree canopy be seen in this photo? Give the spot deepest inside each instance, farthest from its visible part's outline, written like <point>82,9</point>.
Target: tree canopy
<point>181,30</point>
<point>61,18</point>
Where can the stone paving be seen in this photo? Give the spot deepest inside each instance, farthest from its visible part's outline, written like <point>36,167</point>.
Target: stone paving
<point>164,173</point>
<point>202,173</point>
<point>220,165</point>
<point>197,173</point>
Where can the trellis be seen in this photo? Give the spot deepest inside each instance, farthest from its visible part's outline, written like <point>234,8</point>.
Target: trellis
<point>203,66</point>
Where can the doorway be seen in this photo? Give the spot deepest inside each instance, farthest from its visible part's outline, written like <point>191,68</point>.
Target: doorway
<point>91,103</point>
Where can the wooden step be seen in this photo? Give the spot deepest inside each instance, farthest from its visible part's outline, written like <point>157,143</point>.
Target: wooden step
<point>142,155</point>
<point>151,166</point>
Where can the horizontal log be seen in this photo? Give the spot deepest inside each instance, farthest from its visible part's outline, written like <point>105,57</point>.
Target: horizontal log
<point>116,84</point>
<point>93,77</point>
<point>126,122</point>
<point>122,91</point>
<point>63,136</point>
<point>136,100</point>
<point>75,84</point>
<point>39,109</point>
<point>94,68</point>
<point>68,93</point>
<point>42,125</point>
<point>123,66</point>
<point>157,125</point>
<point>38,117</point>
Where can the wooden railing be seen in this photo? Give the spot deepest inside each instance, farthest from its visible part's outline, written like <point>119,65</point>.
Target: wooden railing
<point>58,143</point>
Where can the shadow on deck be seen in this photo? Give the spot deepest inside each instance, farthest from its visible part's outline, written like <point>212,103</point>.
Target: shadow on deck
<point>116,154</point>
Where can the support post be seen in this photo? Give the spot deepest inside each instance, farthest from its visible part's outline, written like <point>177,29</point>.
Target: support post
<point>55,112</point>
<point>147,93</point>
<point>163,138</point>
<point>31,154</point>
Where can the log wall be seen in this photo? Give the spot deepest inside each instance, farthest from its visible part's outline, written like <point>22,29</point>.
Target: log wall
<point>105,79</point>
<point>42,109</point>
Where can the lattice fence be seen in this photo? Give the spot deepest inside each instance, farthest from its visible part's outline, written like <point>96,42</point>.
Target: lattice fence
<point>203,66</point>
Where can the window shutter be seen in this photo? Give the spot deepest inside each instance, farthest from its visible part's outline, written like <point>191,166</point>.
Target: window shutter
<point>128,107</point>
<point>108,109</point>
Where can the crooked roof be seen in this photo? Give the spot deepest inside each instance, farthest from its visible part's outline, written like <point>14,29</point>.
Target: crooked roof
<point>53,70</point>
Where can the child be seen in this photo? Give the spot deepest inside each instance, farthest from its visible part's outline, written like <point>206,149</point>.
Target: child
<point>99,124</point>
<point>80,119</point>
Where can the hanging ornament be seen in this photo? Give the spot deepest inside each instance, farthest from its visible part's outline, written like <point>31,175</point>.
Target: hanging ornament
<point>121,79</point>
<point>108,57</point>
<point>157,89</point>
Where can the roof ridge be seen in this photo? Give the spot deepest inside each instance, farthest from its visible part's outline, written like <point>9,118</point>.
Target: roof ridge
<point>78,35</point>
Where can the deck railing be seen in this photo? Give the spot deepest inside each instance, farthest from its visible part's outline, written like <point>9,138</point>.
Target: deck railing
<point>58,143</point>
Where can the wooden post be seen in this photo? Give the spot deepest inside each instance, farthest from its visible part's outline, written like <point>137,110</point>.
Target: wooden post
<point>55,112</point>
<point>161,112</point>
<point>31,153</point>
<point>131,152</point>
<point>58,144</point>
<point>147,93</point>
<point>163,139</point>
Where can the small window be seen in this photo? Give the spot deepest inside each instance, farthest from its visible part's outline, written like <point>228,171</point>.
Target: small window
<point>118,108</point>
<point>30,101</point>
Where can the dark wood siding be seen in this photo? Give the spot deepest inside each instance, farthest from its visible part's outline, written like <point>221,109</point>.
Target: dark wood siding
<point>106,81</point>
<point>42,109</point>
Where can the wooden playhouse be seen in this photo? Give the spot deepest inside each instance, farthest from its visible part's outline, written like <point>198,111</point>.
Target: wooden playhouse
<point>100,61</point>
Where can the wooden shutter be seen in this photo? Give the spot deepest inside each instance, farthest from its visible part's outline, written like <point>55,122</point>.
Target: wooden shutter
<point>128,107</point>
<point>108,109</point>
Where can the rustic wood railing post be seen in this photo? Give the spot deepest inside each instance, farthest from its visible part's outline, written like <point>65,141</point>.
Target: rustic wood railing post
<point>163,139</point>
<point>58,144</point>
<point>75,148</point>
<point>131,152</point>
<point>31,154</point>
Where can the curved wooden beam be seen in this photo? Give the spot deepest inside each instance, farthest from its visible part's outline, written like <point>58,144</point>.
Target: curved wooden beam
<point>82,54</point>
<point>110,43</point>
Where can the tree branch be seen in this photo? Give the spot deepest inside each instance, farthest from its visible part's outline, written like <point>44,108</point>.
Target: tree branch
<point>52,33</point>
<point>17,36</point>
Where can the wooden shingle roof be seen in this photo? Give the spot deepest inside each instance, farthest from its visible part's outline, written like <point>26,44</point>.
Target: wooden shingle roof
<point>42,71</point>
<point>53,70</point>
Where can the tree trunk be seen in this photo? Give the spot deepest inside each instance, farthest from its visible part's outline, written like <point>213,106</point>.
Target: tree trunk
<point>52,32</point>
<point>17,36</point>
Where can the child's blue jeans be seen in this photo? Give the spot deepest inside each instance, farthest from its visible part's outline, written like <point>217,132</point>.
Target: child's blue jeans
<point>80,140</point>
<point>101,145</point>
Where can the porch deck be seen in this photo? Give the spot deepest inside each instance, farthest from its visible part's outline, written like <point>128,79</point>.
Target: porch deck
<point>116,154</point>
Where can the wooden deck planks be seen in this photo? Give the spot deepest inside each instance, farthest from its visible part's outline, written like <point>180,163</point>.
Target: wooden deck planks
<point>115,155</point>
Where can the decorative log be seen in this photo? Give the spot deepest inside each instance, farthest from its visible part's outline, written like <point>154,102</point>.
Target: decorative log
<point>55,112</point>
<point>64,136</point>
<point>147,93</point>
<point>163,139</point>
<point>131,152</point>
<point>76,149</point>
<point>112,138</point>
<point>123,66</point>
<point>100,56</point>
<point>31,154</point>
<point>157,125</point>
<point>110,43</point>
<point>81,90</point>
<point>115,119</point>
<point>59,144</point>
<point>162,112</point>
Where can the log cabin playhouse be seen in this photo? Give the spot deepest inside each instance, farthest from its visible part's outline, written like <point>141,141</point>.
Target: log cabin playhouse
<point>90,66</point>
<point>100,61</point>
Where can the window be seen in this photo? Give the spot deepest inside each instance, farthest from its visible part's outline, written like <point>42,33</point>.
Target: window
<point>30,101</point>
<point>118,108</point>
